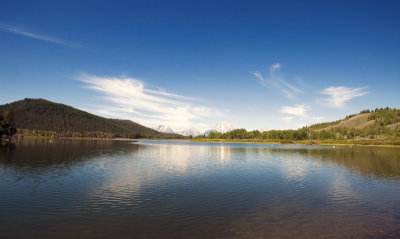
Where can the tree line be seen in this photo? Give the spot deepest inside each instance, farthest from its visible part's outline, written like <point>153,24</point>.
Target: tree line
<point>382,117</point>
<point>38,117</point>
<point>7,128</point>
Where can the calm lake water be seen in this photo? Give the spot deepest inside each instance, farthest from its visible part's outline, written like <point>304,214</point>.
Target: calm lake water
<point>178,189</point>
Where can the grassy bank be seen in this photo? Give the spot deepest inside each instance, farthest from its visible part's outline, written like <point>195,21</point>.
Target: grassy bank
<point>353,142</point>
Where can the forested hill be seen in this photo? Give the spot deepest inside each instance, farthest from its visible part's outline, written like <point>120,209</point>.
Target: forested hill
<point>33,116</point>
<point>378,124</point>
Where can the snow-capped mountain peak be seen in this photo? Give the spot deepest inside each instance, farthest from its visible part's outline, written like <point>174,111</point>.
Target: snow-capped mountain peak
<point>185,132</point>
<point>263,129</point>
<point>223,127</point>
<point>188,132</point>
<point>165,129</point>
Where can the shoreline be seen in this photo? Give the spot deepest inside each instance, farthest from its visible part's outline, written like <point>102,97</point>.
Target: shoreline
<point>365,143</point>
<point>14,139</point>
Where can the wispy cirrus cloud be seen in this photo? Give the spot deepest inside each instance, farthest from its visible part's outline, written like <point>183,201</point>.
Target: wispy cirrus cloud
<point>131,98</point>
<point>276,80</point>
<point>339,95</point>
<point>36,36</point>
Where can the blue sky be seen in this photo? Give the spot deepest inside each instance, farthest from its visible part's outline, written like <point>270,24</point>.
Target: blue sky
<point>277,64</point>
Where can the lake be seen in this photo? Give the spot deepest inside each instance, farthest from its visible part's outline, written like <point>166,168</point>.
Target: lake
<point>180,189</point>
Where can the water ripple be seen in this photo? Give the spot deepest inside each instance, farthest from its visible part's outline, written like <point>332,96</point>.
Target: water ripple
<point>175,189</point>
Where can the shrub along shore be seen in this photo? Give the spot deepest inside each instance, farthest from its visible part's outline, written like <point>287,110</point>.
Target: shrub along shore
<point>352,142</point>
<point>378,127</point>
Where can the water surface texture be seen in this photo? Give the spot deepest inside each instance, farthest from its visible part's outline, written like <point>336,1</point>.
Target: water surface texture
<point>178,189</point>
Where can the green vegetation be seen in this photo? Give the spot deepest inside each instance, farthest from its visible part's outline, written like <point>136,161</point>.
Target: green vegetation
<point>381,126</point>
<point>38,117</point>
<point>385,117</point>
<point>7,128</point>
<point>366,142</point>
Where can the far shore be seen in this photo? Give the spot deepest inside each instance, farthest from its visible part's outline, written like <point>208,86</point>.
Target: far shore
<point>14,139</point>
<point>357,142</point>
<point>354,142</point>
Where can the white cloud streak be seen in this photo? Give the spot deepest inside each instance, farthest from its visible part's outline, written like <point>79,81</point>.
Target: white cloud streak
<point>276,80</point>
<point>298,115</point>
<point>298,110</point>
<point>36,36</point>
<point>338,96</point>
<point>130,98</point>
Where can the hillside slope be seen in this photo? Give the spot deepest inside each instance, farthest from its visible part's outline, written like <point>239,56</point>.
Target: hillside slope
<point>381,122</point>
<point>358,122</point>
<point>40,114</point>
<point>380,126</point>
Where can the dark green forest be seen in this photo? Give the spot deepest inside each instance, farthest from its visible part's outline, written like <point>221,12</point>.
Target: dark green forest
<point>38,117</point>
<point>7,128</point>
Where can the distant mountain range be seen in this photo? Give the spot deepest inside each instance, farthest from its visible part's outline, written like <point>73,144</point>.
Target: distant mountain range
<point>185,132</point>
<point>221,127</point>
<point>188,132</point>
<point>41,117</point>
<point>39,114</point>
<point>164,129</point>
